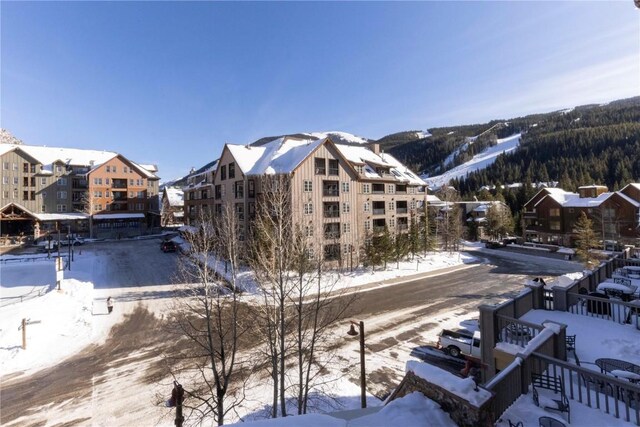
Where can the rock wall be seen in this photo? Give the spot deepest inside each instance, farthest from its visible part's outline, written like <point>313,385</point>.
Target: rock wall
<point>461,412</point>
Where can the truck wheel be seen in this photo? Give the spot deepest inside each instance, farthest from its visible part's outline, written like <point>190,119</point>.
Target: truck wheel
<point>454,351</point>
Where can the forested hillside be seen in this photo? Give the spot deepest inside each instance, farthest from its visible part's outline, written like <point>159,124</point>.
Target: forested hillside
<point>588,144</point>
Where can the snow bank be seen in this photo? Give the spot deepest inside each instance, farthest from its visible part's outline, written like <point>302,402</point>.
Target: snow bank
<point>462,387</point>
<point>412,410</point>
<point>65,326</point>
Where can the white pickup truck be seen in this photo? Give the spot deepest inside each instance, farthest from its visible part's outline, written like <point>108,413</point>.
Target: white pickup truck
<point>460,342</point>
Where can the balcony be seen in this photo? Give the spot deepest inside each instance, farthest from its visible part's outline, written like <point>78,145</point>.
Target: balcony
<point>401,210</point>
<point>332,213</point>
<point>378,211</point>
<point>330,189</point>
<point>332,231</point>
<point>119,183</point>
<point>378,189</point>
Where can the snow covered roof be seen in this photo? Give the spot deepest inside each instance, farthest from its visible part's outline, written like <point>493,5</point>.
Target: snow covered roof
<point>48,156</point>
<point>148,167</point>
<point>281,155</point>
<point>70,156</point>
<point>628,199</point>
<point>175,196</point>
<point>60,216</point>
<point>559,195</point>
<point>574,201</point>
<point>361,155</point>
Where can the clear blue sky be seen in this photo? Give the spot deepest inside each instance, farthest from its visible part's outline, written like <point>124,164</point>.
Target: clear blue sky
<point>171,82</point>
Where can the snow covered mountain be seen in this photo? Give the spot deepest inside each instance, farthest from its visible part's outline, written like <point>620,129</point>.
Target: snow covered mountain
<point>479,161</point>
<point>7,137</point>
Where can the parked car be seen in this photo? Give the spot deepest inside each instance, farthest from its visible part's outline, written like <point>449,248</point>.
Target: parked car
<point>75,241</point>
<point>460,342</point>
<point>168,246</point>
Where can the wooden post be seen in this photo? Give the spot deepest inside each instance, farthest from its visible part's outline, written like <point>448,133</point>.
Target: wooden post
<point>24,333</point>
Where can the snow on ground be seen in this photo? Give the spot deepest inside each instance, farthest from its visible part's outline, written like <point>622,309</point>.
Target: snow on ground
<point>411,410</point>
<point>359,276</point>
<point>595,338</point>
<point>479,161</point>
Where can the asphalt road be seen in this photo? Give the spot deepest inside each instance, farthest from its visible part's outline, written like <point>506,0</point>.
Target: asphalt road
<point>396,316</point>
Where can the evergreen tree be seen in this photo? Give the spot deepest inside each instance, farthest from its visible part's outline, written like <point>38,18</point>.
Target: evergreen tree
<point>586,239</point>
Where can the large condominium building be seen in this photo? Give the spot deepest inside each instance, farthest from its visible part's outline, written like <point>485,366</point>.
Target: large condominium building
<point>550,216</point>
<point>340,194</point>
<point>45,189</point>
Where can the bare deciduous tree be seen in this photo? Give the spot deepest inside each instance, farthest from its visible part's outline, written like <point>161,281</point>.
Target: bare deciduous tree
<point>207,319</point>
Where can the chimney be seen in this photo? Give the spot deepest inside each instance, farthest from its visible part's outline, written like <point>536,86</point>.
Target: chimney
<point>375,148</point>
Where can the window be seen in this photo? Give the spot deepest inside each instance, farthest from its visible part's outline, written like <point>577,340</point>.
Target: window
<point>223,172</point>
<point>14,166</point>
<point>131,182</point>
<point>232,170</point>
<point>345,187</point>
<point>61,208</point>
<point>330,188</point>
<point>252,188</point>
<point>217,190</point>
<point>43,181</point>
<point>240,211</point>
<point>5,194</point>
<point>98,207</point>
<point>308,186</point>
<point>33,181</point>
<point>367,206</point>
<point>309,230</point>
<point>332,252</point>
<point>412,204</point>
<point>346,227</point>
<point>391,188</point>
<point>5,166</point>
<point>141,195</point>
<point>346,248</point>
<point>5,180</point>
<point>58,169</point>
<point>554,225</point>
<point>346,208</point>
<point>106,181</point>
<point>252,210</point>
<point>108,168</point>
<point>61,195</point>
<point>25,181</point>
<point>97,193</point>
<point>309,253</point>
<point>61,182</point>
<point>44,194</point>
<point>43,208</point>
<point>333,167</point>
<point>239,188</point>
<point>107,194</point>
<point>392,222</point>
<point>15,180</point>
<point>32,168</point>
<point>554,212</point>
<point>367,225</point>
<point>25,167</point>
<point>113,168</point>
<point>391,206</point>
<point>308,208</point>
<point>125,169</point>
<point>32,195</point>
<point>366,188</point>
<point>320,166</point>
<point>25,195</point>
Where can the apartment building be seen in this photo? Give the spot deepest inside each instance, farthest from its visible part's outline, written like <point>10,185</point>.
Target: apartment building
<point>198,193</point>
<point>340,194</point>
<point>551,214</point>
<point>45,189</point>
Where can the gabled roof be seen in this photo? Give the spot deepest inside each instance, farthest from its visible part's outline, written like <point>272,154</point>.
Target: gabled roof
<point>360,155</point>
<point>282,155</point>
<point>628,199</point>
<point>175,196</point>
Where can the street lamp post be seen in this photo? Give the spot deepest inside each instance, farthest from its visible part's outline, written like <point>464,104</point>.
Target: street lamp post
<point>69,243</point>
<point>363,379</point>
